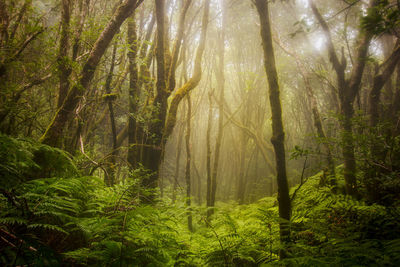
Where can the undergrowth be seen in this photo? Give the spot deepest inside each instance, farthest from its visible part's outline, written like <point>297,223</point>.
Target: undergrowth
<point>50,215</point>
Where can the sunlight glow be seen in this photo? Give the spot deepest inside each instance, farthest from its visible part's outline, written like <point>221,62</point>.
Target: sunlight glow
<point>318,42</point>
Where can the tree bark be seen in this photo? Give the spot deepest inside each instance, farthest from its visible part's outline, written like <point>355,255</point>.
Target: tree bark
<point>111,170</point>
<point>395,106</point>
<point>221,88</point>
<point>133,93</point>
<point>208,156</point>
<point>177,165</point>
<point>242,162</point>
<point>278,135</point>
<point>64,69</point>
<point>188,165</point>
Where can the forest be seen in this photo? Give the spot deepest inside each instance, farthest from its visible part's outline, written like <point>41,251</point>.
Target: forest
<point>200,133</point>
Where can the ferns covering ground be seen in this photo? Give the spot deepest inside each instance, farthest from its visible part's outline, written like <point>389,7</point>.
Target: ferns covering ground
<point>50,215</point>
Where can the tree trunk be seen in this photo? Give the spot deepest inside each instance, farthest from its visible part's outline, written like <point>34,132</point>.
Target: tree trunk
<point>199,200</point>
<point>221,88</point>
<point>151,149</point>
<point>208,159</point>
<point>242,162</point>
<point>177,161</point>
<point>133,93</point>
<point>395,106</point>
<point>64,70</point>
<point>321,134</point>
<point>278,135</point>
<point>188,165</point>
<point>114,152</point>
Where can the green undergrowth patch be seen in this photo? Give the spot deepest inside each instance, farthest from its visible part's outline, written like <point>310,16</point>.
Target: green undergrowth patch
<point>338,230</point>
<point>50,215</point>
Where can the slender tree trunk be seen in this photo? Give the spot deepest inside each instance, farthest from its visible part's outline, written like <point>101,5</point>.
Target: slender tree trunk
<point>199,200</point>
<point>133,93</point>
<point>321,134</point>
<point>221,88</point>
<point>161,96</point>
<point>349,172</point>
<point>177,165</point>
<point>208,157</point>
<point>278,135</point>
<point>113,159</point>
<point>64,70</point>
<point>4,24</point>
<point>188,165</point>
<point>242,162</point>
<point>395,106</point>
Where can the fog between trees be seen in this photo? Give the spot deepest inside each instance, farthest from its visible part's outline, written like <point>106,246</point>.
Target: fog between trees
<point>209,101</point>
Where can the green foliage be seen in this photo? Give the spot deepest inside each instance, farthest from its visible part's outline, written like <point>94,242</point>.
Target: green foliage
<point>78,221</point>
<point>23,159</point>
<point>383,18</point>
<point>299,152</point>
<point>337,230</point>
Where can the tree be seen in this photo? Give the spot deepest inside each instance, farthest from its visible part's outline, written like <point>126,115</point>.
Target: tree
<point>188,164</point>
<point>133,93</point>
<point>278,135</point>
<point>348,89</point>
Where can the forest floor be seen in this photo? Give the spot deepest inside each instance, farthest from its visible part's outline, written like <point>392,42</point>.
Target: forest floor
<point>75,220</point>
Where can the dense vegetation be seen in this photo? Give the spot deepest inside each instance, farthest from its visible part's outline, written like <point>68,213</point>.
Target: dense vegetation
<point>199,133</point>
<point>77,220</point>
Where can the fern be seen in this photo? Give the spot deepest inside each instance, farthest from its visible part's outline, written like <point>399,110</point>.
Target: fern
<point>13,220</point>
<point>47,227</point>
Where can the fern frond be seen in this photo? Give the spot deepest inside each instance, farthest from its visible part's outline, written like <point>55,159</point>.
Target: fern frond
<point>47,227</point>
